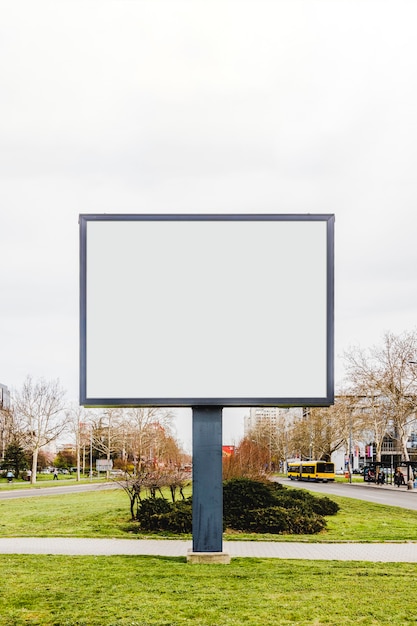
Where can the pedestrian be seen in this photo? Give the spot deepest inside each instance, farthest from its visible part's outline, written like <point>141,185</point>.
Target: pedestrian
<point>55,474</point>
<point>9,476</point>
<point>399,477</point>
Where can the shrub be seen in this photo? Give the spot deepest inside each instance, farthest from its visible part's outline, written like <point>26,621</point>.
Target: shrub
<point>151,511</point>
<point>273,519</point>
<point>325,506</point>
<point>258,506</point>
<point>301,524</point>
<point>179,518</point>
<point>299,498</point>
<point>278,520</point>
<point>244,492</point>
<point>241,495</point>
<point>158,514</point>
<point>248,505</point>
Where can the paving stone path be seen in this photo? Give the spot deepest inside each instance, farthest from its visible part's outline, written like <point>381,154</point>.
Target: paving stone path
<point>383,552</point>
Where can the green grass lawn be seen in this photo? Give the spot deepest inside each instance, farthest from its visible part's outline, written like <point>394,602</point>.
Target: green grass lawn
<point>90,514</point>
<point>106,514</point>
<point>145,591</point>
<point>48,590</point>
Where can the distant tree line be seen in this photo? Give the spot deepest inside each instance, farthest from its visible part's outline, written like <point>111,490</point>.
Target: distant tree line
<point>130,439</point>
<point>377,406</point>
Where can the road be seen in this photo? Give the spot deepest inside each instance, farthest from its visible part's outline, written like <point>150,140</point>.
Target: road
<point>386,494</point>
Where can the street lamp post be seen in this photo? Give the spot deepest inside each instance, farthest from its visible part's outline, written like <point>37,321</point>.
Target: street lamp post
<point>350,449</point>
<point>410,477</point>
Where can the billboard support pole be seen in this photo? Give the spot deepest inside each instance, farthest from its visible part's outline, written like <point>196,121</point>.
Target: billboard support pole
<point>207,486</point>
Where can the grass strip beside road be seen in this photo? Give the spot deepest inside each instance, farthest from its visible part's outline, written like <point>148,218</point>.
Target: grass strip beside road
<point>145,591</point>
<point>106,514</point>
<point>48,482</point>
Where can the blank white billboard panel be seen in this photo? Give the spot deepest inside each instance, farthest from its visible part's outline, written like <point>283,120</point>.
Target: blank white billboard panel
<point>188,310</point>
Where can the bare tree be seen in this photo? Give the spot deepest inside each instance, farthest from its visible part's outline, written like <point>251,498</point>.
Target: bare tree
<point>77,417</point>
<point>330,428</point>
<point>39,410</point>
<point>388,372</point>
<point>268,435</point>
<point>374,414</point>
<point>107,433</point>
<point>250,459</point>
<point>146,427</point>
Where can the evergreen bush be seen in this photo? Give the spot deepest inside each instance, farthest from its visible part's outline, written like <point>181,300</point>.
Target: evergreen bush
<point>302,524</point>
<point>179,518</point>
<point>151,511</point>
<point>248,505</point>
<point>273,519</point>
<point>304,500</point>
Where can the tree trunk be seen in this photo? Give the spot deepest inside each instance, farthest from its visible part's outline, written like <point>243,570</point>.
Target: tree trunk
<point>78,463</point>
<point>378,451</point>
<point>406,456</point>
<point>133,498</point>
<point>34,465</point>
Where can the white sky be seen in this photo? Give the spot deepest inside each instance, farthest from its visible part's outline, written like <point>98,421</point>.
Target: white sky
<point>203,106</point>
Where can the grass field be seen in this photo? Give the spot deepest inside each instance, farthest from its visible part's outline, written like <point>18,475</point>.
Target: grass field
<point>106,514</point>
<point>47,590</point>
<point>145,591</point>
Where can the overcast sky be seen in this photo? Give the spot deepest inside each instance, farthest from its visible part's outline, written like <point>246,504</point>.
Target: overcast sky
<point>203,106</point>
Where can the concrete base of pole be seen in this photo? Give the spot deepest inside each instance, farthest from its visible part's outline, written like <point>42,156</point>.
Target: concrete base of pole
<point>208,557</point>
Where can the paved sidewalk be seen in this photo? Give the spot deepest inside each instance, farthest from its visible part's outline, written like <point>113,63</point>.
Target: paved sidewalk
<point>383,552</point>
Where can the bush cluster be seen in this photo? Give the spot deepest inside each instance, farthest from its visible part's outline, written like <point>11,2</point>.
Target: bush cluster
<point>155,514</point>
<point>248,505</point>
<point>301,499</point>
<point>271,508</point>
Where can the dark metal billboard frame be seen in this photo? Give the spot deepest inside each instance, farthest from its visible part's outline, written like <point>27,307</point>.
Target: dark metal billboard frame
<point>327,400</point>
<point>207,412</point>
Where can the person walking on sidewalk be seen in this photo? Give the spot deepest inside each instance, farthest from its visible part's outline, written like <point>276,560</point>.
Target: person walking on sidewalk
<point>399,477</point>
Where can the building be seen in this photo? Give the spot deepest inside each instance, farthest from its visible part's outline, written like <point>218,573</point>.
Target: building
<point>4,398</point>
<point>270,416</point>
<point>358,448</point>
<point>5,419</point>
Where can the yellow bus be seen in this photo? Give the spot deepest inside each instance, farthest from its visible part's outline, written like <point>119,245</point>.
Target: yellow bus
<point>311,470</point>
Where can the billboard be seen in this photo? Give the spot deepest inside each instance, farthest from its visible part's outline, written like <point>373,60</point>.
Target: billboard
<point>206,310</point>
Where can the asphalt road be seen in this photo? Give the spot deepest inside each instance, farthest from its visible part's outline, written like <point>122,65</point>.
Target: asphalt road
<point>386,494</point>
<point>380,494</point>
